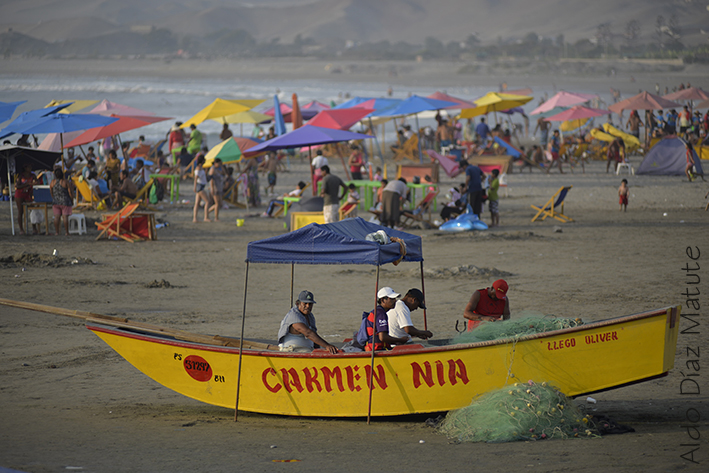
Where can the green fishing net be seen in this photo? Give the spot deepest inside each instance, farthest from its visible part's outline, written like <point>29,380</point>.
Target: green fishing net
<point>523,411</point>
<point>515,328</point>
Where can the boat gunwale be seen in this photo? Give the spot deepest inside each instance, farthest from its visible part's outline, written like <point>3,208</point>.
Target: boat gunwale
<point>95,325</point>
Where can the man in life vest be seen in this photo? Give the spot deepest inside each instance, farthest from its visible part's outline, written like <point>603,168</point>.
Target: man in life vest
<point>489,304</point>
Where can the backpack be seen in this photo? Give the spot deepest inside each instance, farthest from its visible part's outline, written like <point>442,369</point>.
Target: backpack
<point>157,192</point>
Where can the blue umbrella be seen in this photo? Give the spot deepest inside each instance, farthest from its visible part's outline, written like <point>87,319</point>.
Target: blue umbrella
<point>412,106</point>
<point>307,135</point>
<point>278,120</point>
<point>369,102</point>
<point>29,116</point>
<point>8,108</point>
<point>60,123</point>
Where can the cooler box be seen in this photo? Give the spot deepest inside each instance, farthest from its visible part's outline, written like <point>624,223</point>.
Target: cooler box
<point>42,194</point>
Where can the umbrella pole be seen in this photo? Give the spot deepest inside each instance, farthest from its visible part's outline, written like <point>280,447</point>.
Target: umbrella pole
<point>423,290</point>
<point>312,171</point>
<point>374,334</point>
<point>61,142</point>
<point>241,346</point>
<point>382,146</point>
<point>418,134</point>
<point>9,188</point>
<point>292,274</point>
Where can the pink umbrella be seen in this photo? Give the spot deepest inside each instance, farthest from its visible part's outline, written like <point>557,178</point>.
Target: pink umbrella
<point>563,99</point>
<point>286,111</point>
<point>449,98</point>
<point>106,107</point>
<point>643,101</point>
<point>340,119</point>
<point>692,93</point>
<point>704,104</point>
<point>577,112</point>
<point>53,141</point>
<point>124,123</point>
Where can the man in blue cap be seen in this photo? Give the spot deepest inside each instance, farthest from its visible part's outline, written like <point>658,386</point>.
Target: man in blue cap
<point>298,328</point>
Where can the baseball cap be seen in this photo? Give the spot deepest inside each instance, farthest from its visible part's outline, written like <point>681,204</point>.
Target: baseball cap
<point>307,297</point>
<point>500,287</point>
<point>387,292</point>
<point>418,295</point>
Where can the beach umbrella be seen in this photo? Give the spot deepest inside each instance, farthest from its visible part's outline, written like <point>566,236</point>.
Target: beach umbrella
<point>643,101</point>
<point>54,141</point>
<point>297,118</point>
<point>7,109</point>
<point>286,111</point>
<point>369,102</point>
<point>120,125</point>
<point>692,93</point>
<point>228,151</point>
<point>704,104</point>
<point>460,103</point>
<point>494,102</point>
<point>308,135</point>
<point>341,119</point>
<point>279,123</point>
<point>525,91</point>
<point>72,105</point>
<point>576,116</point>
<point>249,116</point>
<point>563,99</point>
<point>60,123</point>
<point>29,116</point>
<point>310,109</point>
<point>106,107</point>
<point>221,108</point>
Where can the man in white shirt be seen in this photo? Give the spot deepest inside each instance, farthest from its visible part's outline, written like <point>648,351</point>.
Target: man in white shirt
<point>400,324</point>
<point>318,162</point>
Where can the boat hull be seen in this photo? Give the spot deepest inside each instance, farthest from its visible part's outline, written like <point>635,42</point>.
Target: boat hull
<point>408,379</point>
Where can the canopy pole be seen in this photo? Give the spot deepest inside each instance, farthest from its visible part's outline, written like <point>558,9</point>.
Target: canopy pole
<point>374,334</point>
<point>423,291</point>
<point>292,274</point>
<point>241,346</point>
<point>61,142</point>
<point>418,134</point>
<point>312,174</point>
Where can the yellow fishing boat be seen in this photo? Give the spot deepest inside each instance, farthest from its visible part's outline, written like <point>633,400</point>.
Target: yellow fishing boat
<point>410,379</point>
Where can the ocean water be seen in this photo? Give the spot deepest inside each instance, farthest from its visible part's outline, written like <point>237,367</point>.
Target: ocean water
<point>182,98</point>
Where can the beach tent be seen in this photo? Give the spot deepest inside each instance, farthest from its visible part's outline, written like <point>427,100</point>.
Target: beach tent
<point>667,158</point>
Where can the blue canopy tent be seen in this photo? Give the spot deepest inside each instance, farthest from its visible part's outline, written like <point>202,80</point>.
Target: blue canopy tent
<point>341,242</point>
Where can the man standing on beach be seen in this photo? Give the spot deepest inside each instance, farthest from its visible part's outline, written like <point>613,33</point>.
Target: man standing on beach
<point>331,195</point>
<point>482,130</point>
<point>392,195</point>
<point>543,127</point>
<point>473,178</point>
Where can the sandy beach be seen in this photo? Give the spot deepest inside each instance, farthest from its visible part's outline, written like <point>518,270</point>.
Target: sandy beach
<point>68,402</point>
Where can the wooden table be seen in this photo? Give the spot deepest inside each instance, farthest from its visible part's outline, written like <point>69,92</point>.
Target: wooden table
<point>28,206</point>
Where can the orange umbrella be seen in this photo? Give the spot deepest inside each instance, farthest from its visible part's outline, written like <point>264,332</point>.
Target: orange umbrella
<point>296,117</point>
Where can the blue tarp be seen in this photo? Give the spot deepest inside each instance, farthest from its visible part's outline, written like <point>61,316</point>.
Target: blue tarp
<point>334,243</point>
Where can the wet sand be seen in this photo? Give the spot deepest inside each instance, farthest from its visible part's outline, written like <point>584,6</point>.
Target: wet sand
<point>67,400</point>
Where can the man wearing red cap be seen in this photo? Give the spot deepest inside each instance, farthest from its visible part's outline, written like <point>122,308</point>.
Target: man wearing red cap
<point>488,304</point>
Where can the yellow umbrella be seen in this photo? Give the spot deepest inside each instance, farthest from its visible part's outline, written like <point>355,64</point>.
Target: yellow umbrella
<point>248,116</point>
<point>221,108</point>
<point>629,140</point>
<point>75,106</point>
<point>494,102</point>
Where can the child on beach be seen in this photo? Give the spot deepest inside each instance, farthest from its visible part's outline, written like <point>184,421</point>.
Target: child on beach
<point>270,166</point>
<point>352,198</point>
<point>623,195</point>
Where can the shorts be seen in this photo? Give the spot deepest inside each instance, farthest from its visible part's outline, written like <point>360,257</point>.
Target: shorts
<point>60,210</point>
<point>200,187</point>
<point>494,206</point>
<point>271,178</point>
<point>623,200</point>
<point>331,213</point>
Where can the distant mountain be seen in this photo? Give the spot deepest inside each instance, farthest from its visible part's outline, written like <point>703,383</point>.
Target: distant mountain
<point>358,20</point>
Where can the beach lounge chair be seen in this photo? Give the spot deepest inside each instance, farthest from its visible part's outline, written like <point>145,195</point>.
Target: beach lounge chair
<point>111,224</point>
<point>347,208</point>
<point>86,198</point>
<point>142,197</point>
<point>448,163</point>
<point>231,195</point>
<point>422,212</point>
<point>549,208</point>
<point>409,150</point>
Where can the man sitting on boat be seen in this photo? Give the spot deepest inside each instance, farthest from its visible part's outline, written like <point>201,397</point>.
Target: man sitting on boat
<point>400,325</point>
<point>298,328</point>
<point>489,304</point>
<point>386,300</point>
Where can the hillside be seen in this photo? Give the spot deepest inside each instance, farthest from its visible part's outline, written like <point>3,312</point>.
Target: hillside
<point>356,20</point>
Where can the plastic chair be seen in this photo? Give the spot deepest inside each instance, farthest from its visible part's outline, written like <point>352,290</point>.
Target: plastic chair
<point>77,224</point>
<point>624,165</point>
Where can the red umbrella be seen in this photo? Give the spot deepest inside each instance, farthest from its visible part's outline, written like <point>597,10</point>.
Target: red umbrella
<point>340,119</point>
<point>460,103</point>
<point>245,144</point>
<point>692,93</point>
<point>124,123</point>
<point>643,101</point>
<point>579,112</point>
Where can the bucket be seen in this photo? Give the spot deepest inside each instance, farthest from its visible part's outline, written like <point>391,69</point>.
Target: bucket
<point>239,222</point>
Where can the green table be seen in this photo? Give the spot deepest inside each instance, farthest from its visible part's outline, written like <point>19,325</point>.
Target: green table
<point>174,185</point>
<point>423,186</point>
<point>287,201</point>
